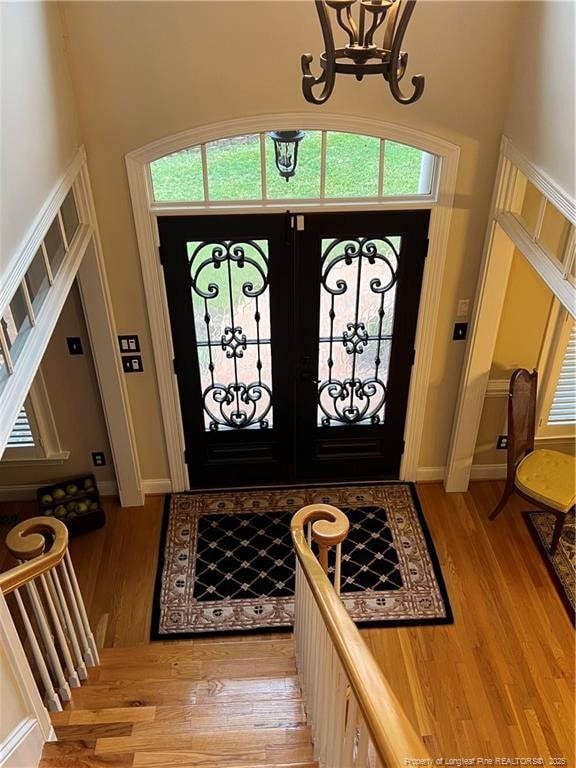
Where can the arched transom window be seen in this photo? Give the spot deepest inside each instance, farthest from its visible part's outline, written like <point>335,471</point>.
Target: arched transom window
<point>332,166</point>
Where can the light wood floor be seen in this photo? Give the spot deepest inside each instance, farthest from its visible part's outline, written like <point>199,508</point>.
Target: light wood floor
<point>498,683</point>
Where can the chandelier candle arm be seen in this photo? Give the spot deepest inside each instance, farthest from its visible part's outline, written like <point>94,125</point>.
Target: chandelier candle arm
<point>360,56</point>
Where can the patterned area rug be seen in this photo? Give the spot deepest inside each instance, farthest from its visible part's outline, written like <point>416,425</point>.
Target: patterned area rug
<point>562,565</point>
<point>227,562</point>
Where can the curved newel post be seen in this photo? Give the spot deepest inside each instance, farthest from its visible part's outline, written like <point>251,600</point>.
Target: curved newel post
<point>40,545</point>
<point>329,527</point>
<point>355,718</point>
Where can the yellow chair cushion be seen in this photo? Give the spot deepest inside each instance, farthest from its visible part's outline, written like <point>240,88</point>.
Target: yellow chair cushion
<point>548,477</point>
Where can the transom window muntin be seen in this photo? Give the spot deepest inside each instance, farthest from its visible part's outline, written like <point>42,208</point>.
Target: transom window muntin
<point>547,226</point>
<point>332,166</point>
<point>19,316</point>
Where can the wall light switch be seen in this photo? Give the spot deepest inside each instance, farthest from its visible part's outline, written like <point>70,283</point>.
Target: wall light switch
<point>132,364</point>
<point>129,344</point>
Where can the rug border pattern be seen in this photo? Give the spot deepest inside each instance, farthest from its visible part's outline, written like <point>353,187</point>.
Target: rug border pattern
<point>434,561</point>
<point>543,550</point>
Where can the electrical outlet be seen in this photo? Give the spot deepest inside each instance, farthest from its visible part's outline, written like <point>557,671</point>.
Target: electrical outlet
<point>502,442</point>
<point>74,345</point>
<point>98,458</point>
<point>460,331</point>
<point>129,344</point>
<point>132,364</point>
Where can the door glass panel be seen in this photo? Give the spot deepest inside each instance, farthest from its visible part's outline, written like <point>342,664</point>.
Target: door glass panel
<point>231,303</point>
<point>357,301</point>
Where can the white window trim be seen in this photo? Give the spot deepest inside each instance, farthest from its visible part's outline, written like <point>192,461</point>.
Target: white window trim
<point>550,364</point>
<point>146,211</point>
<point>47,450</point>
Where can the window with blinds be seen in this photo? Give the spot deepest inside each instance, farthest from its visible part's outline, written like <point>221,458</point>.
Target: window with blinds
<point>563,408</point>
<point>22,436</point>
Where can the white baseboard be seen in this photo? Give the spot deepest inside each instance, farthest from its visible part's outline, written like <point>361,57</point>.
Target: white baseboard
<point>430,474</point>
<point>488,472</point>
<point>27,492</point>
<point>479,472</point>
<point>22,748</point>
<point>156,486</point>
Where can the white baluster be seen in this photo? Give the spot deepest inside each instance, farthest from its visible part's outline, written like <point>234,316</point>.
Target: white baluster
<point>48,640</point>
<point>62,642</point>
<point>54,704</point>
<point>350,730</point>
<point>363,741</point>
<point>67,623</point>
<point>91,651</point>
<point>338,568</point>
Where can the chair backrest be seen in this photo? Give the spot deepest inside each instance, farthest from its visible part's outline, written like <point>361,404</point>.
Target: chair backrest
<point>521,415</point>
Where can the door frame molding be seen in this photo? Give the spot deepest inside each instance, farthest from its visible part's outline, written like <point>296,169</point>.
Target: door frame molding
<point>84,262</point>
<point>504,235</point>
<point>146,210</point>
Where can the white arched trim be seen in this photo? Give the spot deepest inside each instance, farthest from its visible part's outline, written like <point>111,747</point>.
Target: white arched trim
<point>146,211</point>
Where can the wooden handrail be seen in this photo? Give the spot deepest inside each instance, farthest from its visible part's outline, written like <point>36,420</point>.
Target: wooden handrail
<point>393,735</point>
<point>29,541</point>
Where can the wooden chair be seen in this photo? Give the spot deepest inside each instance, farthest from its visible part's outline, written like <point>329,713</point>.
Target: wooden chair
<point>545,478</point>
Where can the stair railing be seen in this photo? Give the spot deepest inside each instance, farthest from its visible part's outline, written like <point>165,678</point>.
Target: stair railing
<point>51,607</point>
<point>355,718</point>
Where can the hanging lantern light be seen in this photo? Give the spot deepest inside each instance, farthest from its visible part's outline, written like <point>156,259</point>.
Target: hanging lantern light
<point>286,151</point>
<point>360,56</point>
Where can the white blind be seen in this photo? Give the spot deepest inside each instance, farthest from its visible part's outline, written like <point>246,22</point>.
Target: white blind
<point>21,436</point>
<point>563,410</point>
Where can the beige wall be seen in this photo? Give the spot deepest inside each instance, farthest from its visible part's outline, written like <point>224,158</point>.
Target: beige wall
<point>519,343</point>
<point>75,401</point>
<point>143,71</point>
<point>540,119</point>
<point>523,322</point>
<point>13,708</point>
<point>39,127</point>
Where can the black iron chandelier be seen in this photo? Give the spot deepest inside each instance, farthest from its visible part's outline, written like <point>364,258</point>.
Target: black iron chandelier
<point>286,151</point>
<point>361,56</point>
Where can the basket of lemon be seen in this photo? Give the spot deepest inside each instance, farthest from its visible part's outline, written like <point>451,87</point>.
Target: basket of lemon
<point>76,502</point>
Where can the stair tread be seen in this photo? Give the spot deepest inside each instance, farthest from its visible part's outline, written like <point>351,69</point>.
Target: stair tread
<point>199,704</point>
<point>199,650</point>
<point>193,669</point>
<point>220,741</point>
<point>129,693</point>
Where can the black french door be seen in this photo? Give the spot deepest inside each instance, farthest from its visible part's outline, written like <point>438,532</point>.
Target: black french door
<point>294,342</point>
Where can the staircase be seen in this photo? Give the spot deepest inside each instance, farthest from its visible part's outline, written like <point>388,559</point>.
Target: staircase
<point>214,704</point>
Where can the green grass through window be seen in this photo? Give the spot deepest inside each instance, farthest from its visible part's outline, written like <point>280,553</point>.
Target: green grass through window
<point>352,167</point>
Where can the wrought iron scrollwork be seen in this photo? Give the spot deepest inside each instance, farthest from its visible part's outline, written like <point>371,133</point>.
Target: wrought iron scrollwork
<point>224,404</point>
<point>353,399</point>
<point>229,280</point>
